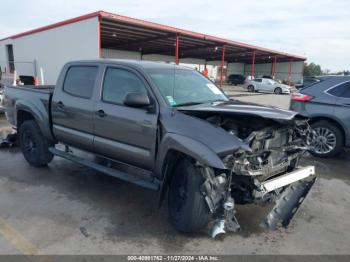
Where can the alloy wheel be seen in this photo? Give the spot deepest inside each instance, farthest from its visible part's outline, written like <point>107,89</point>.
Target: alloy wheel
<point>324,140</point>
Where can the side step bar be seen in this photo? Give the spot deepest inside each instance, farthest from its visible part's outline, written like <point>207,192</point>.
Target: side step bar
<point>153,184</point>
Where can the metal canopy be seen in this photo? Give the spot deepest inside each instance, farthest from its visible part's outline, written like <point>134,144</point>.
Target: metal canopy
<point>125,33</point>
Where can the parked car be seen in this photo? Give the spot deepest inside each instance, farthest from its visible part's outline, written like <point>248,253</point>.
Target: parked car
<point>307,81</point>
<point>327,103</point>
<point>170,129</point>
<point>27,80</point>
<point>2,109</point>
<point>236,79</point>
<point>266,85</point>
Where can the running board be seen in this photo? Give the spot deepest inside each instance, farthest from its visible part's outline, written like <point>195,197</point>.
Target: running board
<point>146,183</point>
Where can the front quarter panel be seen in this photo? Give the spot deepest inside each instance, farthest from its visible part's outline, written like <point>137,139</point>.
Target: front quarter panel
<point>197,138</point>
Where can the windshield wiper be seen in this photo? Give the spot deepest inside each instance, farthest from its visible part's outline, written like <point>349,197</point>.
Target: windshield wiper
<point>218,100</point>
<point>189,104</point>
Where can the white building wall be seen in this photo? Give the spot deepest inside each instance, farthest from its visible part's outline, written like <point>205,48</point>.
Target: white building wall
<point>120,54</point>
<point>3,54</point>
<point>235,68</point>
<point>282,70</point>
<point>51,49</point>
<point>188,62</point>
<point>213,66</point>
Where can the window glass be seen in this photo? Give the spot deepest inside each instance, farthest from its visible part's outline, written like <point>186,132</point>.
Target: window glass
<point>185,87</point>
<point>118,83</point>
<point>342,90</point>
<point>258,80</point>
<point>80,81</point>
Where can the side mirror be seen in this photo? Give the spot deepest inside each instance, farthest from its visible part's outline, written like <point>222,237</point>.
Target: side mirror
<point>136,100</point>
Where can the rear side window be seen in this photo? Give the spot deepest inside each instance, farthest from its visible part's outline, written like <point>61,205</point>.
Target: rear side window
<point>80,81</point>
<point>118,82</point>
<point>342,90</point>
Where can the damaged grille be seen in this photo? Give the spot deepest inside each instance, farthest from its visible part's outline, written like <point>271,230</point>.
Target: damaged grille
<point>274,150</point>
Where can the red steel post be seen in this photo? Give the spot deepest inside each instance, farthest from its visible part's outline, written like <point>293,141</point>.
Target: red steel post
<point>222,65</point>
<point>252,68</point>
<point>177,49</point>
<point>274,65</point>
<point>99,38</point>
<point>290,72</point>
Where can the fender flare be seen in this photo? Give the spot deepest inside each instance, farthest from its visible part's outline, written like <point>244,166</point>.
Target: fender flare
<point>39,113</point>
<point>187,146</point>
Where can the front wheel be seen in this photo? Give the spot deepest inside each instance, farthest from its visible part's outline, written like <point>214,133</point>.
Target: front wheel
<point>251,88</point>
<point>278,91</point>
<point>328,139</point>
<point>34,146</point>
<point>188,211</point>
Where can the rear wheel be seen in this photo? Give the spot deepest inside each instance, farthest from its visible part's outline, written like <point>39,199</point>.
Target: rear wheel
<point>278,91</point>
<point>188,211</point>
<point>251,88</point>
<point>34,146</point>
<point>328,139</point>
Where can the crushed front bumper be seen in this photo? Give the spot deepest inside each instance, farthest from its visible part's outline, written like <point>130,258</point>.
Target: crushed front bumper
<point>284,180</point>
<point>296,185</point>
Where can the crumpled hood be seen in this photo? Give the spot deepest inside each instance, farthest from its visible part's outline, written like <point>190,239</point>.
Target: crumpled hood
<point>237,107</point>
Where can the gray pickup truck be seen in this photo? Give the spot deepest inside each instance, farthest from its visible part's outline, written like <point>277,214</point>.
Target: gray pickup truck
<point>168,128</point>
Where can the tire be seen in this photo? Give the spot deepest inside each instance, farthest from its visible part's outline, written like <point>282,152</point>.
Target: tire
<point>251,88</point>
<point>327,134</point>
<point>278,91</point>
<point>34,146</point>
<point>188,211</point>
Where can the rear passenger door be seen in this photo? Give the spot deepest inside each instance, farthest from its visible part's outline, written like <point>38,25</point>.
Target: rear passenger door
<point>124,133</point>
<point>73,104</point>
<point>342,109</point>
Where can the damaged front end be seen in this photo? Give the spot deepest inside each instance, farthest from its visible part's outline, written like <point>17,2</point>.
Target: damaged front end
<point>269,172</point>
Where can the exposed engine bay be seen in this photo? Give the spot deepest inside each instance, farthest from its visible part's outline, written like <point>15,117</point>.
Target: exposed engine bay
<point>275,150</point>
<point>275,147</point>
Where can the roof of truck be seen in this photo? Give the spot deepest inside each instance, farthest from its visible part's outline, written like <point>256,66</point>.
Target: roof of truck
<point>139,63</point>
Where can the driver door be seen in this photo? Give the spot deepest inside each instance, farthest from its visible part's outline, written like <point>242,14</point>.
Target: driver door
<point>124,133</point>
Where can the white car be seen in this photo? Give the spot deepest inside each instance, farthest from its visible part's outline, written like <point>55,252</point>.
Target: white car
<point>1,98</point>
<point>266,85</point>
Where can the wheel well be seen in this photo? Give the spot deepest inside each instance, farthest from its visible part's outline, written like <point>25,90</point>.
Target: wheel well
<point>23,116</point>
<point>332,121</point>
<point>170,161</point>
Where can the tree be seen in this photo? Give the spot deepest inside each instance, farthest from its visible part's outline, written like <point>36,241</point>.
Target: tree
<point>312,69</point>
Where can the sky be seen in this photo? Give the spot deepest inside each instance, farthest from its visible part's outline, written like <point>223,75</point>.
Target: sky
<point>319,30</point>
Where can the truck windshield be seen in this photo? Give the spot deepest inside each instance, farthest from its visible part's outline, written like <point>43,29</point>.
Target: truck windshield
<point>180,87</point>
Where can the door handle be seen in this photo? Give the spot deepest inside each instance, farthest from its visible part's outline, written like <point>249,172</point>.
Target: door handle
<point>101,113</point>
<point>60,104</point>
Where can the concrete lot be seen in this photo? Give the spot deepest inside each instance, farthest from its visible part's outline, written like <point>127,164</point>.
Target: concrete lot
<point>69,209</point>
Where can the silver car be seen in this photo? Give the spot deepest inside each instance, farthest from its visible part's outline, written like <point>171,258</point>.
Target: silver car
<point>266,85</point>
<point>1,98</point>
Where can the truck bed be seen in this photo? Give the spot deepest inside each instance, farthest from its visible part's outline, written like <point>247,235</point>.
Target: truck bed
<point>16,98</point>
<point>40,89</point>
